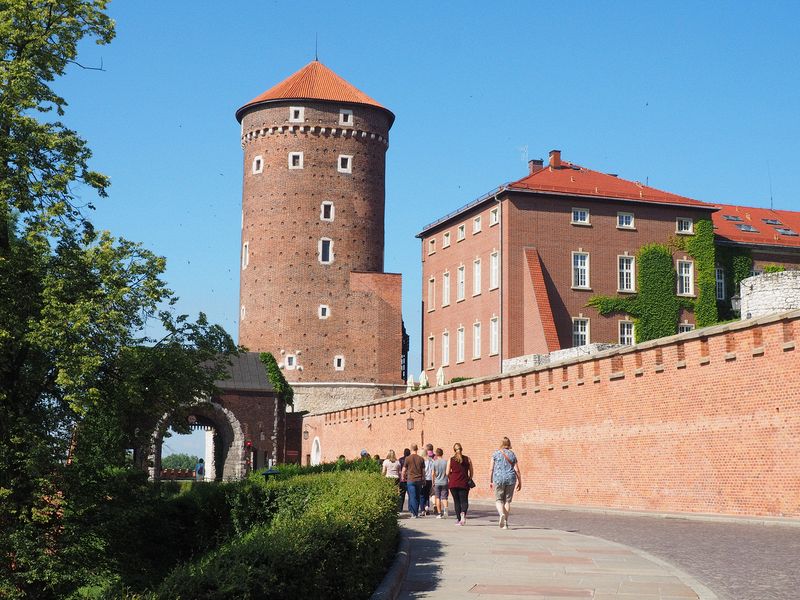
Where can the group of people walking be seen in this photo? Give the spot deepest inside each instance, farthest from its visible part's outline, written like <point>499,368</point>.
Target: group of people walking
<point>430,475</point>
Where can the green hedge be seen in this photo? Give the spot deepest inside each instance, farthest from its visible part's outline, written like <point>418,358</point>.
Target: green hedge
<point>313,536</point>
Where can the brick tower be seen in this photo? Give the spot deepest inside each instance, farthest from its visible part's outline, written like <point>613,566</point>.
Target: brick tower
<point>312,287</point>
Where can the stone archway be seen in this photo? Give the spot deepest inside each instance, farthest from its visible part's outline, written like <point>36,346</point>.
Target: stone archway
<point>231,452</point>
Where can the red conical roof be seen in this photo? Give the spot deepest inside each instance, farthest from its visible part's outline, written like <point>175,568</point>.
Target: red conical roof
<point>315,81</point>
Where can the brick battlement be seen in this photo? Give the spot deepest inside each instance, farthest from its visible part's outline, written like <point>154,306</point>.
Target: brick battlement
<point>705,421</point>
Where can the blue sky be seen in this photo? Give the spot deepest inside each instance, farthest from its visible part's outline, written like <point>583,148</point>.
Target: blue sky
<point>701,99</point>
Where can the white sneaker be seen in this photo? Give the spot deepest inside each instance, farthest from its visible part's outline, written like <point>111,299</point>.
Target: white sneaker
<point>438,516</point>
<point>502,522</point>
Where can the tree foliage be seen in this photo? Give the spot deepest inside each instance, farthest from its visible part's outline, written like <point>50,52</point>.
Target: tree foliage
<point>179,461</point>
<point>282,388</point>
<point>81,383</point>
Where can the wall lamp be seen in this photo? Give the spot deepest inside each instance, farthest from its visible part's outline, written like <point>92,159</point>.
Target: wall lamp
<point>410,420</point>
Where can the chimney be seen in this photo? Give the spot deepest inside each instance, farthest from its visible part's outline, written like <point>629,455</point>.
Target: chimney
<point>535,165</point>
<point>555,159</point>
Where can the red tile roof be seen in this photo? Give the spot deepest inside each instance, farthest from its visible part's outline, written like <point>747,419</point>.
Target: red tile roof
<point>576,180</point>
<point>315,81</point>
<point>542,299</point>
<point>774,233</point>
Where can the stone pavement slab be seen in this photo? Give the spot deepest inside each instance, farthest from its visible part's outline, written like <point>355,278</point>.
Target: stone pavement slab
<point>482,561</point>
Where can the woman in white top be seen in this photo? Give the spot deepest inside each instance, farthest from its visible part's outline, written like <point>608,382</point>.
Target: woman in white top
<point>391,466</point>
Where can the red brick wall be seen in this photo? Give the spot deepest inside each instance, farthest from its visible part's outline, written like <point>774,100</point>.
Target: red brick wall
<point>257,413</point>
<point>708,421</point>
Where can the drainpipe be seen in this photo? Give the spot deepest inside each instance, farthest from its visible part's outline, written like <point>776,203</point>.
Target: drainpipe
<point>500,275</point>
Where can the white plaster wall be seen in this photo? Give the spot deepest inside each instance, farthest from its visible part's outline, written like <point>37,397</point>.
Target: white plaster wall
<point>337,396</point>
<point>536,360</point>
<point>770,293</point>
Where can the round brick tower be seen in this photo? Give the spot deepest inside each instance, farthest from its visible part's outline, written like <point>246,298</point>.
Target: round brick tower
<point>312,290</point>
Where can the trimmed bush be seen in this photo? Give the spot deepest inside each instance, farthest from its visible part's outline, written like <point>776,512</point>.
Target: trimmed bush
<point>321,536</point>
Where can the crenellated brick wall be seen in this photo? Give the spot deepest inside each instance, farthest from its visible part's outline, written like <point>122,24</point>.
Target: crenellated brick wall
<point>707,421</point>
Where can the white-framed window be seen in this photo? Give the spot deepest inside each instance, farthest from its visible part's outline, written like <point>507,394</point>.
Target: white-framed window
<point>494,270</point>
<point>580,216</point>
<point>460,283</point>
<point>431,350</point>
<point>431,294</point>
<point>445,349</point>
<point>580,270</point>
<point>345,163</point>
<point>719,278</point>
<point>295,160</point>
<point>345,116</point>
<point>241,313</point>
<point>325,250</point>
<point>245,255</point>
<point>684,225</point>
<point>580,331</point>
<point>258,165</point>
<point>476,340</point>
<point>754,272</point>
<point>684,327</point>
<point>338,362</point>
<point>461,232</point>
<point>290,362</point>
<point>327,212</point>
<point>446,239</point>
<point>446,288</point>
<point>324,311</point>
<point>297,114</point>
<point>626,278</point>
<point>685,278</point>
<point>626,336</point>
<point>476,277</point>
<point>625,220</point>
<point>431,246</point>
<point>494,216</point>
<point>460,345</point>
<point>494,336</point>
<point>476,224</point>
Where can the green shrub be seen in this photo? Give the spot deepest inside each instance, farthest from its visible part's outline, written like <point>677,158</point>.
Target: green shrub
<point>457,379</point>
<point>325,536</point>
<point>774,269</point>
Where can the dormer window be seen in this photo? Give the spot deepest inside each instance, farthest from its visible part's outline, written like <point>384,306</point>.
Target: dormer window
<point>345,116</point>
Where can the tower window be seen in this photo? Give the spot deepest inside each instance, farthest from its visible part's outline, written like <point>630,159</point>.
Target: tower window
<point>296,114</point>
<point>324,311</point>
<point>295,160</point>
<point>338,362</point>
<point>290,362</point>
<point>241,313</point>
<point>325,251</point>
<point>245,255</point>
<point>326,211</point>
<point>258,165</point>
<point>345,164</point>
<point>345,116</point>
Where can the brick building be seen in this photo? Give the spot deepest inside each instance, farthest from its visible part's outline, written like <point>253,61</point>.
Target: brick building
<point>312,287</point>
<point>511,273</point>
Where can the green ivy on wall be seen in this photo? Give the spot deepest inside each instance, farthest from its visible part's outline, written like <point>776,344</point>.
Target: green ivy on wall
<point>700,247</point>
<point>282,388</point>
<point>656,308</point>
<point>738,264</point>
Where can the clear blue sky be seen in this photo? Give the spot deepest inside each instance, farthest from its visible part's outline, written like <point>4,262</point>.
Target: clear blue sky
<point>701,99</point>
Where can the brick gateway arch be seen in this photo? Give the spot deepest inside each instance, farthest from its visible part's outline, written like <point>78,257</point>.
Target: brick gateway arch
<point>248,420</point>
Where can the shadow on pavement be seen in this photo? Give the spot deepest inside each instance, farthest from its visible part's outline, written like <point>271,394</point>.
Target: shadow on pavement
<point>424,569</point>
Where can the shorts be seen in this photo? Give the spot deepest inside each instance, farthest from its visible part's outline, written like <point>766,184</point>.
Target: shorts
<point>441,491</point>
<point>504,493</point>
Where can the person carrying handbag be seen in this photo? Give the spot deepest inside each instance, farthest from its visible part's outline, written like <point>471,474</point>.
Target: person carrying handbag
<point>459,478</point>
<point>504,478</point>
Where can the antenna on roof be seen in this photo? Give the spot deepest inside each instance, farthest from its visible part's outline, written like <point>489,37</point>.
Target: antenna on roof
<point>769,176</point>
<point>316,46</point>
<point>523,150</point>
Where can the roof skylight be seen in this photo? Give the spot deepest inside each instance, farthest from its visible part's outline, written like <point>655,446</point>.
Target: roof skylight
<point>746,227</point>
<point>786,231</point>
<point>772,221</point>
<point>731,218</point>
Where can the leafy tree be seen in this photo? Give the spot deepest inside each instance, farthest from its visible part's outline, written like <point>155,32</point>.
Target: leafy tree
<point>179,461</point>
<point>80,382</point>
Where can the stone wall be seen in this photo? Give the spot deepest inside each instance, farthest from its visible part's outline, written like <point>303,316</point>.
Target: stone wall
<point>539,360</point>
<point>770,293</point>
<point>706,421</point>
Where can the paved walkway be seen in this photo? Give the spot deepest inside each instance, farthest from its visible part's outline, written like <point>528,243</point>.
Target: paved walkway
<point>480,560</point>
